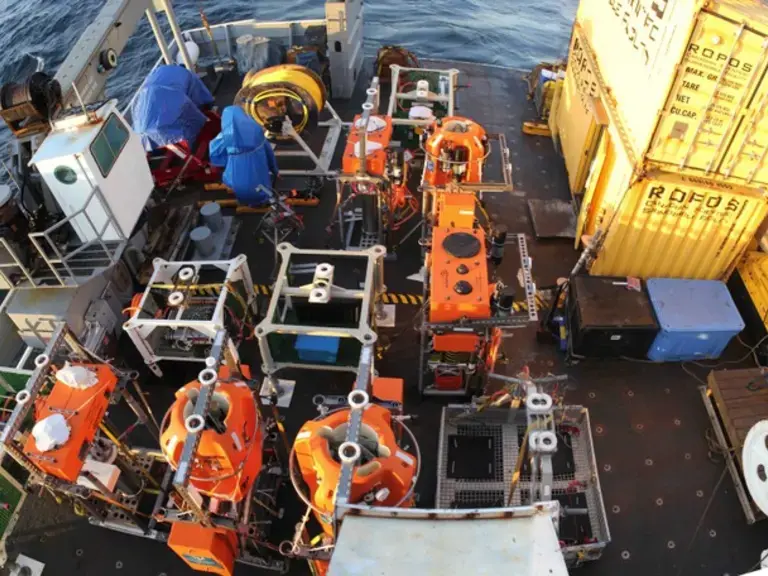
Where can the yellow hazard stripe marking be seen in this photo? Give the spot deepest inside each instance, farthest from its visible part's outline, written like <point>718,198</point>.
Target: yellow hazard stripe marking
<point>387,298</point>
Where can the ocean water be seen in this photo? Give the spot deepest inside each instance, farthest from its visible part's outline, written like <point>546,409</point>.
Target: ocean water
<point>516,33</point>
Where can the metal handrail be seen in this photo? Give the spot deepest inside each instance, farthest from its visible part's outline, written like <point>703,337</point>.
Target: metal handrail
<point>41,251</point>
<point>226,26</point>
<point>17,263</point>
<point>127,108</point>
<point>64,259</point>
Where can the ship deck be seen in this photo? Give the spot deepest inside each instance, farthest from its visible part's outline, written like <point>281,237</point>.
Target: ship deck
<point>672,509</point>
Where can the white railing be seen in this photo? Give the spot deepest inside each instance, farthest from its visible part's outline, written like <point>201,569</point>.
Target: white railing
<point>224,36</point>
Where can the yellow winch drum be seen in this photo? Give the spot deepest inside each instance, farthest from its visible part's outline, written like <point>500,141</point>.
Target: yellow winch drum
<point>270,95</point>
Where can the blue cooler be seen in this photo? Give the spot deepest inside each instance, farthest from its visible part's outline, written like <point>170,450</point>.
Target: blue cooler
<point>697,319</point>
<point>317,349</point>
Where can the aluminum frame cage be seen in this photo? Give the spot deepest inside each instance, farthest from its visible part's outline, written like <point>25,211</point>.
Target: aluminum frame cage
<point>506,426</point>
<point>233,278</point>
<point>367,296</point>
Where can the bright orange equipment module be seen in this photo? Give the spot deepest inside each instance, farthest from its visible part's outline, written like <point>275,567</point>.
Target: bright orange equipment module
<point>465,140</point>
<point>212,550</point>
<point>84,411</point>
<point>455,210</point>
<point>376,161</point>
<point>458,284</point>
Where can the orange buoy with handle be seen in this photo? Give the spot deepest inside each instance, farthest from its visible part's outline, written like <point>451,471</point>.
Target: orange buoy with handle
<point>384,474</point>
<point>229,456</point>
<point>456,150</point>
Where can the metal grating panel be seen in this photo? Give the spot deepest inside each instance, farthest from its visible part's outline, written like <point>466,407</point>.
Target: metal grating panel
<point>141,465</point>
<point>507,427</point>
<point>458,423</point>
<point>12,496</point>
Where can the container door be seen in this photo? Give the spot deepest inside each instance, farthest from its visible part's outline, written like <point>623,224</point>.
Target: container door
<point>595,187</point>
<point>716,79</point>
<point>747,155</point>
<point>754,273</point>
<point>553,119</point>
<point>581,121</point>
<point>637,46</point>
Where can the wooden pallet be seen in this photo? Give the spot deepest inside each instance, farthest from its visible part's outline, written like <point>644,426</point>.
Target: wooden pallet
<point>741,397</point>
<point>735,401</point>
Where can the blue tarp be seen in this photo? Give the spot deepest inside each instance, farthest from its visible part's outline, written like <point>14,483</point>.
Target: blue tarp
<point>249,160</point>
<point>167,108</point>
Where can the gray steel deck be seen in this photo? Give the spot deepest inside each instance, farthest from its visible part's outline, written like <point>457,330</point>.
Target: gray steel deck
<point>648,420</point>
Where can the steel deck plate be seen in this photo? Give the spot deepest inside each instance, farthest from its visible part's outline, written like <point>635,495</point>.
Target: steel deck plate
<point>648,420</point>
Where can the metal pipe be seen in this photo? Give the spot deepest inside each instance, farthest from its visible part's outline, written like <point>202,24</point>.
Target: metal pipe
<point>161,43</point>
<point>113,499</point>
<point>24,357</point>
<point>168,7</point>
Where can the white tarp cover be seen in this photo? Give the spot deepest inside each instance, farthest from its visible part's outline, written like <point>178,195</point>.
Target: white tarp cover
<point>50,432</point>
<point>524,546</point>
<point>76,376</point>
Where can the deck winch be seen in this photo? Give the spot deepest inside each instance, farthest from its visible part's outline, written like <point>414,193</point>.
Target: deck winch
<point>286,91</point>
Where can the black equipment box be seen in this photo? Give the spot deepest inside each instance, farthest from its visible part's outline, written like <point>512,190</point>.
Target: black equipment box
<point>608,319</point>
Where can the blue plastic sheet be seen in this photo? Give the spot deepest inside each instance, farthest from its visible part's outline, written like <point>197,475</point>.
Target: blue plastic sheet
<point>167,108</point>
<point>250,164</point>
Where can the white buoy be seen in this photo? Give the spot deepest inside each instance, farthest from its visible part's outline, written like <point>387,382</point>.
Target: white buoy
<point>194,53</point>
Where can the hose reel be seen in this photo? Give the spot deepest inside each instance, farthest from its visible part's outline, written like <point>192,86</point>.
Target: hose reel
<point>288,90</point>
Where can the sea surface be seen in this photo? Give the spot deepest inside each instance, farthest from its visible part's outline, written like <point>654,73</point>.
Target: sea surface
<point>515,33</point>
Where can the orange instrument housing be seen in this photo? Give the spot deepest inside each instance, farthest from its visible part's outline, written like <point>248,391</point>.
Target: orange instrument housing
<point>390,468</point>
<point>227,463</point>
<point>458,286</point>
<point>376,160</point>
<point>211,550</point>
<point>455,210</point>
<point>456,152</point>
<point>84,411</point>
<point>388,389</point>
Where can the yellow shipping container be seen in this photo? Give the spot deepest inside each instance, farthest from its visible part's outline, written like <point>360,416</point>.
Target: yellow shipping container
<point>688,81</point>
<point>754,273</point>
<point>580,119</point>
<point>667,225</point>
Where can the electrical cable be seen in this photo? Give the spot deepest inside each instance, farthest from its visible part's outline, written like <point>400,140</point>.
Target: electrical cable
<point>739,361</point>
<point>27,212</point>
<point>412,325</point>
<point>759,562</point>
<point>701,521</point>
<point>295,483</point>
<point>754,354</point>
<point>692,375</point>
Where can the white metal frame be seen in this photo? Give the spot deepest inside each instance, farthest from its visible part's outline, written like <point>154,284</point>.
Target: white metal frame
<point>453,82</point>
<point>165,274</point>
<point>373,285</point>
<point>322,161</point>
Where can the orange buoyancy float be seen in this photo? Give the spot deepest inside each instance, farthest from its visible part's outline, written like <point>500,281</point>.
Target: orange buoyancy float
<point>229,456</point>
<point>384,475</point>
<point>456,151</point>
